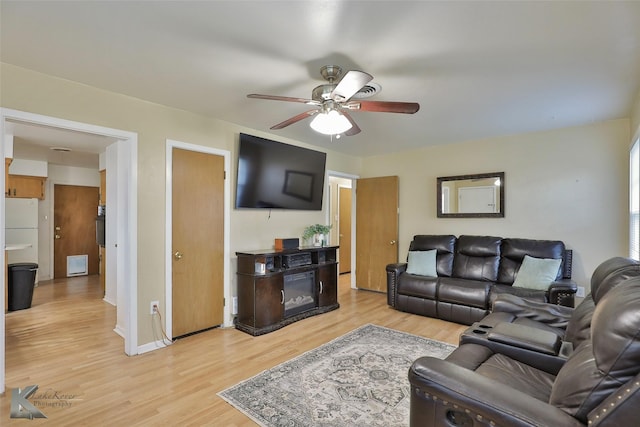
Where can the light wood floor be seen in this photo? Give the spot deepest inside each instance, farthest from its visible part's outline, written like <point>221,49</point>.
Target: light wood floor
<point>65,344</point>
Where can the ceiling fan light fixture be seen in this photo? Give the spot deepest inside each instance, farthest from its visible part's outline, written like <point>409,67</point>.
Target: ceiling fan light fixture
<point>330,123</point>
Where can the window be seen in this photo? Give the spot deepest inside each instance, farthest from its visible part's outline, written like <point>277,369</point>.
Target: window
<point>634,201</point>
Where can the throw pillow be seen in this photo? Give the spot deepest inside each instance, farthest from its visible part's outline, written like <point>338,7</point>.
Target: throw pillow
<point>537,273</point>
<point>422,263</point>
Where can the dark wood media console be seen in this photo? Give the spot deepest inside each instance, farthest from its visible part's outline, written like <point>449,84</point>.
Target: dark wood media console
<point>277,288</point>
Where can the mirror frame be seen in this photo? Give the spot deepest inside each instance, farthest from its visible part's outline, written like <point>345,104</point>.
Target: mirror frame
<point>442,179</point>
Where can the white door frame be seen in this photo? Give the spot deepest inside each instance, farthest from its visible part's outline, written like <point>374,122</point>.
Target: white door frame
<point>170,145</point>
<point>127,232</point>
<point>354,179</point>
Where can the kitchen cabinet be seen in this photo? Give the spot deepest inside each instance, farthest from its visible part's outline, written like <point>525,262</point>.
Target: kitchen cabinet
<point>26,187</point>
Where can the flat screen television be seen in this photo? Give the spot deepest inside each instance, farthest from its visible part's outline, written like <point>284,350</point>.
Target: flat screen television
<point>273,175</point>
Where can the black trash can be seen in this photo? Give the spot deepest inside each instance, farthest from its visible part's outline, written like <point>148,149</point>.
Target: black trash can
<point>22,280</point>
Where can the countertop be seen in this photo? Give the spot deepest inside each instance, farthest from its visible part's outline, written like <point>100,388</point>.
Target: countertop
<point>16,246</point>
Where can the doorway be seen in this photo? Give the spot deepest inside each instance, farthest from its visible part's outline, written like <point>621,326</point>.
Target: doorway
<point>344,228</point>
<point>74,219</point>
<point>341,215</point>
<point>127,189</point>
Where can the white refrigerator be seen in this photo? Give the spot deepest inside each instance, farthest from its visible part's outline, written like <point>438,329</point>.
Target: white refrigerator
<point>21,228</point>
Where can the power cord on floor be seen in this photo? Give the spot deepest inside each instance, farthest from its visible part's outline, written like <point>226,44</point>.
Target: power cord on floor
<point>165,339</point>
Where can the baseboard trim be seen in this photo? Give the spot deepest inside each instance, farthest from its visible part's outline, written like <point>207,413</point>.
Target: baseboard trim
<point>152,346</point>
<point>118,330</point>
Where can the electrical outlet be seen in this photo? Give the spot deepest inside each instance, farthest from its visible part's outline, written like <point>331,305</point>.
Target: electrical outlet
<point>234,306</point>
<point>153,304</point>
<point>580,292</point>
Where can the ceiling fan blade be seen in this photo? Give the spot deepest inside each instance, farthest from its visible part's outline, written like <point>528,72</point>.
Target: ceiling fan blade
<point>295,119</point>
<point>350,84</point>
<point>284,98</point>
<point>355,129</point>
<point>384,106</point>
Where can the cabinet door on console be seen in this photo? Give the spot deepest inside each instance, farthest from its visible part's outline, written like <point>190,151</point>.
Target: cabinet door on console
<point>327,285</point>
<point>269,300</point>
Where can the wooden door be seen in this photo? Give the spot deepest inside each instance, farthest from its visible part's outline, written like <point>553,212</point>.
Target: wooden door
<point>376,230</point>
<point>344,224</point>
<point>74,219</point>
<point>198,241</point>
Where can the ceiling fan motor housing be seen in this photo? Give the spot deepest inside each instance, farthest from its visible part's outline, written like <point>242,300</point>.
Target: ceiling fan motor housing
<point>331,73</point>
<point>323,92</point>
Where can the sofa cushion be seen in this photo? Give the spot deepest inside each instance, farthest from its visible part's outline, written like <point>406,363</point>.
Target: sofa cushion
<point>530,294</point>
<point>503,369</point>
<point>422,263</point>
<point>512,252</point>
<point>418,286</point>
<point>477,258</point>
<point>473,293</point>
<point>443,244</point>
<point>518,375</point>
<point>537,273</point>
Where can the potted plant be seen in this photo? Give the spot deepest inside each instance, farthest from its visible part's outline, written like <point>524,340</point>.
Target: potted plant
<point>316,232</point>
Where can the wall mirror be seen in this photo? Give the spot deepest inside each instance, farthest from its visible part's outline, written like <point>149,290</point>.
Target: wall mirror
<point>471,196</point>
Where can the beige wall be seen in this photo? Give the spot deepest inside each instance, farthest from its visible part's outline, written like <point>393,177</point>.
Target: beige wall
<point>635,118</point>
<point>567,184</point>
<point>33,92</point>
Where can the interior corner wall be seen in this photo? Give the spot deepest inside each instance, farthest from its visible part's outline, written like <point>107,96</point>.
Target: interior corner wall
<point>635,118</point>
<point>38,93</point>
<point>568,184</point>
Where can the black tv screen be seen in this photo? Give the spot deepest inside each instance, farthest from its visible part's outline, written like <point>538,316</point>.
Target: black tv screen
<point>273,175</point>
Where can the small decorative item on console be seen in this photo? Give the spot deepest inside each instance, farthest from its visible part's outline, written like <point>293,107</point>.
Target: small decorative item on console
<point>317,232</point>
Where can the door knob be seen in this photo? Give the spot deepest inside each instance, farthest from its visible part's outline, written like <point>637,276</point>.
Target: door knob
<point>177,255</point>
<point>393,242</point>
<point>57,228</point>
<point>57,236</point>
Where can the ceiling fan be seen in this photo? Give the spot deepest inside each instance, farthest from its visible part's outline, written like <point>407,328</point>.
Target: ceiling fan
<point>332,102</point>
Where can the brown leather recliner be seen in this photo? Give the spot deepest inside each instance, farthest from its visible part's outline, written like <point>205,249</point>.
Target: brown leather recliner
<point>598,385</point>
<point>571,325</point>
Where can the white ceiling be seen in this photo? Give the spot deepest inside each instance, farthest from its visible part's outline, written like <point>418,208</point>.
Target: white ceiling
<point>478,68</point>
<point>56,145</point>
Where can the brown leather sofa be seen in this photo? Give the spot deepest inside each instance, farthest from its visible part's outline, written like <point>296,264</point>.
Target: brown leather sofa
<point>598,385</point>
<point>472,270</point>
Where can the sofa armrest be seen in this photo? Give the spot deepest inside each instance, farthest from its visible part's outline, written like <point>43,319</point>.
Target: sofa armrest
<point>393,273</point>
<point>620,408</point>
<point>562,292</point>
<point>441,391</point>
<point>550,314</point>
<point>526,337</point>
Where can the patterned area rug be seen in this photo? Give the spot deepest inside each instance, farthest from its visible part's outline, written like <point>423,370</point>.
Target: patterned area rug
<point>358,379</point>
